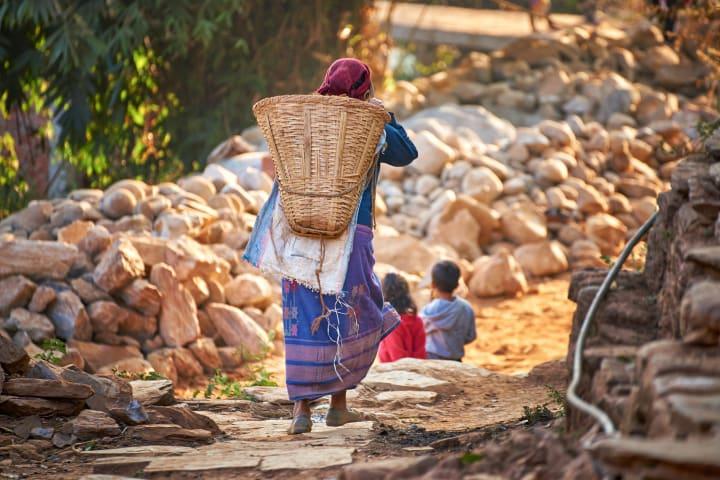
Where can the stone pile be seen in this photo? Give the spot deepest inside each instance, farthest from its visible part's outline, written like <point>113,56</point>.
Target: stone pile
<point>84,406</point>
<point>537,159</point>
<point>139,278</point>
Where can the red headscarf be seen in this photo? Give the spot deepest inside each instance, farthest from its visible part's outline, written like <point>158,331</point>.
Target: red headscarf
<point>346,76</point>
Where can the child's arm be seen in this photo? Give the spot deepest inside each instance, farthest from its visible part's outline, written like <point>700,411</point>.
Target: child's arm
<point>400,149</point>
<point>436,323</point>
<point>471,331</point>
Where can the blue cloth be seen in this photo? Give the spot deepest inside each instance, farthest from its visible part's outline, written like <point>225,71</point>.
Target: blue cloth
<point>339,354</point>
<point>399,152</point>
<point>449,326</point>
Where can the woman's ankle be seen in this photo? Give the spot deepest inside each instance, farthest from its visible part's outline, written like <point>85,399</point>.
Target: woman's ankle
<point>339,401</point>
<point>301,407</point>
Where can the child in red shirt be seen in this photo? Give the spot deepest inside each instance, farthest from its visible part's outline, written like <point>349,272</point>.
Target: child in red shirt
<point>408,339</point>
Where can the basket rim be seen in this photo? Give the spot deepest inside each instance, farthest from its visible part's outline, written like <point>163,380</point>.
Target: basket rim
<point>334,100</point>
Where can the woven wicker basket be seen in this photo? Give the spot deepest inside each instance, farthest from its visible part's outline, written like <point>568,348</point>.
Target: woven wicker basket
<point>323,148</point>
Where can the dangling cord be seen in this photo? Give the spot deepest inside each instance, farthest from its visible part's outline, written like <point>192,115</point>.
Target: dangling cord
<point>325,313</point>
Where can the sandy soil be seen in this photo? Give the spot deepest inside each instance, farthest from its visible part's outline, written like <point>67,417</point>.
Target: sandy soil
<point>515,334</point>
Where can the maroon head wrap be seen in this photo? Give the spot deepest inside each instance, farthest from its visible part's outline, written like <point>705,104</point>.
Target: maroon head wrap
<point>346,76</point>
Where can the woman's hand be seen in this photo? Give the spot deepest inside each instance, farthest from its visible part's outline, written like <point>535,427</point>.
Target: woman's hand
<point>376,101</point>
<point>267,166</point>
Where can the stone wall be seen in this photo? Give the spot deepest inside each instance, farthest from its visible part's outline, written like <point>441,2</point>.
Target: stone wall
<point>652,359</point>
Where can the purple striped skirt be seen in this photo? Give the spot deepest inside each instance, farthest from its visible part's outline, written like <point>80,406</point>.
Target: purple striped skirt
<point>338,355</point>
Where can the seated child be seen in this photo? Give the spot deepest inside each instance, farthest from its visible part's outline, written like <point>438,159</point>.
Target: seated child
<point>449,320</point>
<point>408,339</point>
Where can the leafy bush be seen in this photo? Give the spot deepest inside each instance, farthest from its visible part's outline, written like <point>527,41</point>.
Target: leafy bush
<point>145,88</point>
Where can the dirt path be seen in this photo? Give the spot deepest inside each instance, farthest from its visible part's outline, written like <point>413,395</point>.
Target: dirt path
<point>414,408</point>
<point>514,335</point>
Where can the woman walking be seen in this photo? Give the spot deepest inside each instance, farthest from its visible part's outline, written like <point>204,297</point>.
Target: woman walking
<point>331,342</point>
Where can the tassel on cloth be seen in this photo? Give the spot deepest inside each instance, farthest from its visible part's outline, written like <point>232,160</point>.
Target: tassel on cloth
<point>325,313</point>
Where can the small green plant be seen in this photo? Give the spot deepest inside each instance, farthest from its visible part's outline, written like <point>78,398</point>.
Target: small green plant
<point>536,414</point>
<point>262,378</point>
<point>146,376</point>
<point>91,445</point>
<point>53,351</point>
<point>469,458</point>
<point>558,398</point>
<point>223,386</point>
<point>705,129</point>
<point>607,260</point>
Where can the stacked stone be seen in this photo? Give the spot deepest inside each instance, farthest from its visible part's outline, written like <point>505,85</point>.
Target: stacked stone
<point>89,406</point>
<point>661,383</point>
<point>139,277</point>
<point>537,159</point>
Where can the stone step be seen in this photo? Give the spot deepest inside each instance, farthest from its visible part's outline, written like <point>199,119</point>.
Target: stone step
<point>690,459</point>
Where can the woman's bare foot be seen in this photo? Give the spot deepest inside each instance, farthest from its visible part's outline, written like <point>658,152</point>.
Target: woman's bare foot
<point>301,422</point>
<point>339,414</point>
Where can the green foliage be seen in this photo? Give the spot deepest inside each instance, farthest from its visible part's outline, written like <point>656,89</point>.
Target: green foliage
<point>13,189</point>
<point>145,376</point>
<point>412,63</point>
<point>537,414</point>
<point>558,398</point>
<point>145,88</point>
<point>53,350</point>
<point>468,458</point>
<point>262,378</point>
<point>223,386</point>
<point>705,129</point>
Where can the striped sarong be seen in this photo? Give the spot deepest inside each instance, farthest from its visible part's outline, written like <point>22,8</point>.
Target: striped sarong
<point>337,356</point>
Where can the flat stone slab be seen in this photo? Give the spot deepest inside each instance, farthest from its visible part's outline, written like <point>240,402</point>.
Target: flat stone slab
<point>693,453</point>
<point>404,380</point>
<point>276,395</point>
<point>101,476</point>
<point>195,462</point>
<point>308,459</point>
<point>139,451</point>
<point>263,430</point>
<point>407,396</point>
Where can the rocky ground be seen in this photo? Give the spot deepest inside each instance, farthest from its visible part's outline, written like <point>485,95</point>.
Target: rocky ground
<point>535,161</point>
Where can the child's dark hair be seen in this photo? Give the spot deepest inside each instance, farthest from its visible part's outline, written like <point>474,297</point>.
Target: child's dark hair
<point>397,291</point>
<point>446,276</point>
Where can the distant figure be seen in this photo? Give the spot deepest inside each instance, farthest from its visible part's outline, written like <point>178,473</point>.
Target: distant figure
<point>540,9</point>
<point>408,339</point>
<point>449,320</point>
<point>667,12</point>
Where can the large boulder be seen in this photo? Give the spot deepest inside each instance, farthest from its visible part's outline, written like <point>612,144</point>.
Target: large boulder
<point>178,323</point>
<point>405,253</point>
<point>482,184</point>
<point>70,318</point>
<point>523,225</point>
<point>248,290</point>
<point>499,274</point>
<point>541,259</point>
<point>433,154</point>
<point>36,258</point>
<point>465,225</point>
<point>15,291</point>
<point>237,329</point>
<point>37,326</point>
<point>98,355</point>
<point>607,232</point>
<point>120,266</point>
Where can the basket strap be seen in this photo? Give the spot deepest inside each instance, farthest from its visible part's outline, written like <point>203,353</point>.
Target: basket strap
<point>307,143</point>
<point>341,144</point>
